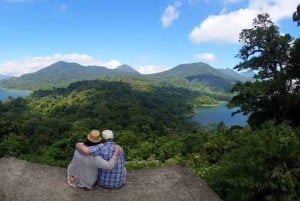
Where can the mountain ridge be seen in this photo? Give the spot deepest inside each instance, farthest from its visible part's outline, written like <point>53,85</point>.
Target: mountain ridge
<point>61,74</point>
<point>127,69</point>
<point>198,72</point>
<point>239,76</point>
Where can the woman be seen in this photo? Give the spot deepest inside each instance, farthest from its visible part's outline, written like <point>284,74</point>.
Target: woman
<point>83,170</point>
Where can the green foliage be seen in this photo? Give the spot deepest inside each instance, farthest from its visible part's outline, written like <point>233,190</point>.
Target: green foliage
<point>274,95</point>
<point>138,164</point>
<point>238,163</point>
<point>259,165</point>
<point>204,100</point>
<point>67,114</point>
<point>92,103</point>
<point>14,145</point>
<point>296,15</point>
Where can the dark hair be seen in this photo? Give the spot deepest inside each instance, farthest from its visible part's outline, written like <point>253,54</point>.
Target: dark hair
<point>89,143</point>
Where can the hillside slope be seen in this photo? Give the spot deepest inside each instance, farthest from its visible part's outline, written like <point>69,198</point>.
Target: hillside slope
<point>21,180</point>
<point>236,75</point>
<point>61,74</point>
<point>4,77</point>
<point>200,73</point>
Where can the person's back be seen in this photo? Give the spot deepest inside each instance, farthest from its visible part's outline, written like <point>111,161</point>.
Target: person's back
<point>85,169</point>
<point>114,178</point>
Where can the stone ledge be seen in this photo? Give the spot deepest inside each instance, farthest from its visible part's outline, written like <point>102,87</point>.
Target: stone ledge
<point>25,181</point>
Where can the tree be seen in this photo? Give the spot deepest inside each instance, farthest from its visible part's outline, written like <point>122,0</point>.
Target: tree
<point>258,167</point>
<point>14,145</point>
<point>274,95</point>
<point>296,15</point>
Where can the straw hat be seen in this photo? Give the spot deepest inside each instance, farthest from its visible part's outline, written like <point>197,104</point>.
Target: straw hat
<point>94,136</point>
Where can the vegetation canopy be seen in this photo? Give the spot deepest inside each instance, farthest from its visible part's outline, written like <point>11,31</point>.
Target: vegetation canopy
<point>274,95</point>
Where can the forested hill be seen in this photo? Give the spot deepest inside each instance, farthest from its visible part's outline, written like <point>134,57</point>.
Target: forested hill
<point>126,69</point>
<point>3,77</point>
<point>196,76</point>
<point>61,74</point>
<point>199,72</point>
<point>64,115</point>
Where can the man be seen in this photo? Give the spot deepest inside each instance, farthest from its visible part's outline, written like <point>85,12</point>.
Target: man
<point>114,178</point>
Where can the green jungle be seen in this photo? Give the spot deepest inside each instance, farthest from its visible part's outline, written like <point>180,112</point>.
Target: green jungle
<point>260,161</point>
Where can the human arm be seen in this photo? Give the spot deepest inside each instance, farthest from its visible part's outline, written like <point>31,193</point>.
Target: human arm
<point>82,148</point>
<point>103,164</point>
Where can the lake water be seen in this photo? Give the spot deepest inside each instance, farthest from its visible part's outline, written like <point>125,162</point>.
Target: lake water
<point>212,115</point>
<point>4,94</point>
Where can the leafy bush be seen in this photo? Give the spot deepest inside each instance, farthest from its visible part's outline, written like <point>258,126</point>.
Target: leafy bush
<point>14,145</point>
<point>261,165</point>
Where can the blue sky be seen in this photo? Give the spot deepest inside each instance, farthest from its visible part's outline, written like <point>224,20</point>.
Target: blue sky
<point>149,35</point>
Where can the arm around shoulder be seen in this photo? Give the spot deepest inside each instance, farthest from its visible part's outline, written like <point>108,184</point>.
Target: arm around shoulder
<point>108,165</point>
<point>82,148</point>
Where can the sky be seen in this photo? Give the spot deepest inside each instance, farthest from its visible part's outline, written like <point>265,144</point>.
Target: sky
<point>149,35</point>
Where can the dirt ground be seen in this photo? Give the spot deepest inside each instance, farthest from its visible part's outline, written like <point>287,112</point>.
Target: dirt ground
<point>24,181</point>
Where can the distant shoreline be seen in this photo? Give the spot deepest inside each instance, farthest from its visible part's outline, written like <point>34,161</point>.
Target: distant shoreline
<point>14,93</point>
<point>16,90</point>
<point>212,105</point>
<point>203,105</point>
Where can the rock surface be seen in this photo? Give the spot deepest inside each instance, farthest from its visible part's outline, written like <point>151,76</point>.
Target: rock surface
<point>22,180</point>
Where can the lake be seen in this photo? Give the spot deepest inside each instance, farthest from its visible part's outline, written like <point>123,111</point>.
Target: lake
<point>212,115</point>
<point>5,93</point>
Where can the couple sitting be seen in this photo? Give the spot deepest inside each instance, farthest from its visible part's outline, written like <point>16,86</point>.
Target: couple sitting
<point>97,160</point>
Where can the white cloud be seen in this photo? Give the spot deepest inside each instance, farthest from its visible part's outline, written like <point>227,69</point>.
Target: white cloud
<point>223,28</point>
<point>31,64</point>
<point>209,57</point>
<point>278,9</point>
<point>171,13</point>
<point>150,69</point>
<point>226,27</point>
